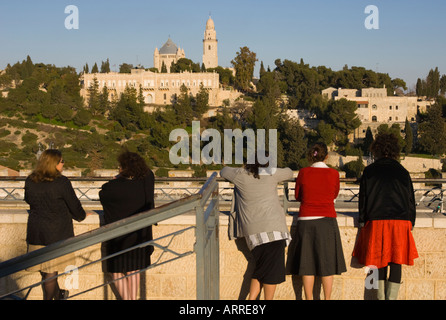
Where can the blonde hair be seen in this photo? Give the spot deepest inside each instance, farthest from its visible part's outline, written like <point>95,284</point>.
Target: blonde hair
<point>46,166</point>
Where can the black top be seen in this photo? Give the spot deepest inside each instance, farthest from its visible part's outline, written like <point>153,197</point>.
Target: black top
<point>53,206</point>
<point>386,192</point>
<point>121,198</point>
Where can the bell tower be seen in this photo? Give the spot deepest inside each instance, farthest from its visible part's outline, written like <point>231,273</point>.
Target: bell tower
<point>210,55</point>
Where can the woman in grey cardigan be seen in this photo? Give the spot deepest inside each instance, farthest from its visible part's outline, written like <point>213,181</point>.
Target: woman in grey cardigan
<point>260,218</point>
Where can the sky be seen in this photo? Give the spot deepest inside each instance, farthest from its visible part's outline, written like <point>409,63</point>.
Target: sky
<point>410,38</point>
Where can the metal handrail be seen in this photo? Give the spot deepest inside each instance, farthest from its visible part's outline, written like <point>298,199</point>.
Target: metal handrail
<point>142,220</point>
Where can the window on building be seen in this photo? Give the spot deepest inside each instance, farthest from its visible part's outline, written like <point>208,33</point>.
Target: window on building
<point>374,107</point>
<point>374,119</point>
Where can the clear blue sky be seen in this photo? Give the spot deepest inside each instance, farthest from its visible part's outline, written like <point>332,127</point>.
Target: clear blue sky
<point>411,38</point>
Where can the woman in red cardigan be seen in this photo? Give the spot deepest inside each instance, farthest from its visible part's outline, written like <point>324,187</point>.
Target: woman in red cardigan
<point>317,249</point>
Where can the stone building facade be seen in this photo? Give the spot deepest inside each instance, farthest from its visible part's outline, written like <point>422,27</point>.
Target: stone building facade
<point>164,88</point>
<point>375,107</point>
<point>168,54</point>
<point>210,42</point>
<point>158,88</point>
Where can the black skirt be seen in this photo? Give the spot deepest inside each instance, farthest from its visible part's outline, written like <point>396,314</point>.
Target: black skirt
<point>135,259</point>
<point>270,262</point>
<point>316,248</point>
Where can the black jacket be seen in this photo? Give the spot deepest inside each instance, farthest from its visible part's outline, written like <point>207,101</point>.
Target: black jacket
<point>122,198</point>
<point>386,193</point>
<point>53,206</point>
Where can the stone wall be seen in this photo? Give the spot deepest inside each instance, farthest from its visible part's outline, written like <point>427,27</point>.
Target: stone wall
<point>412,164</point>
<point>425,280</point>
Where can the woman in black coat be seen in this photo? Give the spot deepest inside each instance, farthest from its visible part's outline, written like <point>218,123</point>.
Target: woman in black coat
<point>386,216</point>
<point>53,206</point>
<point>131,192</point>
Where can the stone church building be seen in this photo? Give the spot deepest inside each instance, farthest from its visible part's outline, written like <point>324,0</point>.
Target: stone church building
<point>163,88</point>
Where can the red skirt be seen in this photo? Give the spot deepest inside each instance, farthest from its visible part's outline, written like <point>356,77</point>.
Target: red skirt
<point>381,242</point>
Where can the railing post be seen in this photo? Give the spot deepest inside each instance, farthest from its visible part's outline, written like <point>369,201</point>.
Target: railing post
<point>200,253</point>
<point>207,244</point>
<point>215,248</point>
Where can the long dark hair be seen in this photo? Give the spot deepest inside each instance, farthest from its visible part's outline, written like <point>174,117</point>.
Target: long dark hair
<point>132,165</point>
<point>253,168</point>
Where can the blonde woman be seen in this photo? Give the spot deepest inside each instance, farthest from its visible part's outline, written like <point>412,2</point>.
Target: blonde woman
<point>53,206</point>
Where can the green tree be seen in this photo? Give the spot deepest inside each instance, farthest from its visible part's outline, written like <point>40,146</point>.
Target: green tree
<point>433,83</point>
<point>93,97</point>
<point>443,84</point>
<point>408,138</point>
<point>82,117</point>
<point>368,140</point>
<point>226,77</point>
<point>184,64</point>
<point>419,88</point>
<point>326,132</point>
<point>201,102</point>
<point>95,68</point>
<point>264,114</point>
<point>353,169</point>
<point>163,122</point>
<point>103,104</point>
<point>243,64</point>
<point>125,68</point>
<point>431,86</point>
<point>163,68</point>
<point>64,113</point>
<point>135,116</point>
<point>292,140</point>
<point>399,83</point>
<point>105,66</point>
<point>432,132</point>
<point>341,114</point>
<point>262,69</point>
<point>300,82</point>
<point>49,111</point>
<point>183,106</point>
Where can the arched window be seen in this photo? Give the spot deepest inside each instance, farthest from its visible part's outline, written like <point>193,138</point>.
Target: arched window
<point>374,119</point>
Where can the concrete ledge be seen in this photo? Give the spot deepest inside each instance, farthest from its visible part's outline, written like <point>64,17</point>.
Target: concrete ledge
<point>176,280</point>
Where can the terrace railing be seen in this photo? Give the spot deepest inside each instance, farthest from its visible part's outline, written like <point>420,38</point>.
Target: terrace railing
<point>205,204</point>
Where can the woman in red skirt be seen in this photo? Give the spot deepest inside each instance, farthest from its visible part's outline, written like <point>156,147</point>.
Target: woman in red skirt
<point>386,216</point>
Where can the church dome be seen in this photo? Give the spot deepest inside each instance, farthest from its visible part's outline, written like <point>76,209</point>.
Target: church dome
<point>210,24</point>
<point>169,48</point>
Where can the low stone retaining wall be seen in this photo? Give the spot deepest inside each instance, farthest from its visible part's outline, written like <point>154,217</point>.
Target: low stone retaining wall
<point>426,280</point>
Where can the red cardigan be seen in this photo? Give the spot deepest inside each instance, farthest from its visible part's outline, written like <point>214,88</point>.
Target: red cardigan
<point>316,189</point>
